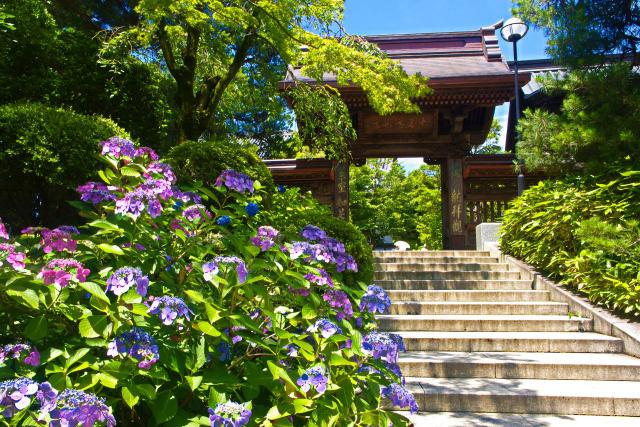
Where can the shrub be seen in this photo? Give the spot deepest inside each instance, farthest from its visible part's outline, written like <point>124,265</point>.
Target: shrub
<point>161,311</point>
<point>584,233</point>
<point>45,153</point>
<point>292,211</point>
<point>204,161</point>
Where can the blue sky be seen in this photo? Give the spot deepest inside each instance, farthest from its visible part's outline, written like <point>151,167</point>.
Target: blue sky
<point>367,17</point>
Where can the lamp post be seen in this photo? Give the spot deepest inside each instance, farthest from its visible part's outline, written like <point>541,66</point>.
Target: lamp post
<point>512,31</point>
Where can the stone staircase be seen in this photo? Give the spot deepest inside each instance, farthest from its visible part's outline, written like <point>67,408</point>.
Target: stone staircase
<point>485,349</point>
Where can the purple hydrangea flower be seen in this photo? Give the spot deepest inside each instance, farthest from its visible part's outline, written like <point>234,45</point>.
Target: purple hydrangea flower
<point>3,230</point>
<point>162,170</point>
<point>314,376</point>
<point>8,253</point>
<point>311,233</point>
<point>326,328</point>
<point>229,414</point>
<point>212,268</point>
<point>345,261</point>
<point>339,300</point>
<point>16,395</point>
<point>224,220</point>
<point>118,147</point>
<point>334,245</point>
<point>59,271</point>
<point>124,278</point>
<point>196,213</point>
<point>302,291</point>
<point>292,350</point>
<point>137,344</point>
<point>16,351</point>
<point>58,239</point>
<point>96,192</point>
<point>252,209</point>
<point>400,397</point>
<point>169,309</point>
<point>235,180</point>
<point>142,151</point>
<point>323,279</point>
<point>264,239</point>
<point>382,346</point>
<point>375,300</point>
<point>75,407</point>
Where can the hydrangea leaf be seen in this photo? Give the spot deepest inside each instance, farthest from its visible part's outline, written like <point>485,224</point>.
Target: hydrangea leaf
<point>95,290</point>
<point>111,249</point>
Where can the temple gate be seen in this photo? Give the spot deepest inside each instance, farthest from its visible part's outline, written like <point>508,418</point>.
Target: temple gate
<point>469,78</point>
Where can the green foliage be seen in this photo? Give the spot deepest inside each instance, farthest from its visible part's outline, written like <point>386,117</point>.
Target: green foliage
<point>491,144</point>
<point>292,211</point>
<point>598,128</point>
<point>57,64</point>
<point>204,161</point>
<point>584,232</point>
<point>383,201</point>
<point>43,152</point>
<point>209,46</point>
<point>235,344</point>
<point>584,32</point>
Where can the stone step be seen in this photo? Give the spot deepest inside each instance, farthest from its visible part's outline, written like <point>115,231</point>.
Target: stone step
<point>429,254</point>
<point>440,285</point>
<point>530,396</point>
<point>447,275</point>
<point>452,307</point>
<point>465,295</point>
<point>419,267</point>
<point>440,259</point>
<point>477,419</point>
<point>554,342</point>
<point>485,323</point>
<point>551,366</point>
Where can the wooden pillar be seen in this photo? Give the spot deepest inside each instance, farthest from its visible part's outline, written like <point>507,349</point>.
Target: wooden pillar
<point>341,190</point>
<point>444,197</point>
<point>453,187</point>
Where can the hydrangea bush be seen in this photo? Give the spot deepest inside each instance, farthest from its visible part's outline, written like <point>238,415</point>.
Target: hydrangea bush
<point>183,307</point>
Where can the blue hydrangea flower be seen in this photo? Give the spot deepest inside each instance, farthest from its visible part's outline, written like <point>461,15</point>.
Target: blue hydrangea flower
<point>75,407</point>
<point>16,395</point>
<point>281,189</point>
<point>235,180</point>
<point>382,346</point>
<point>212,268</point>
<point>229,414</point>
<point>375,300</point>
<point>224,221</point>
<point>339,300</point>
<point>314,376</point>
<point>124,278</point>
<point>326,328</point>
<point>169,308</point>
<point>311,233</point>
<point>137,344</point>
<point>252,209</point>
<point>400,397</point>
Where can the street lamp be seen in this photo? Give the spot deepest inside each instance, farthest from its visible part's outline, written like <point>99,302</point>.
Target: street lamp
<point>512,31</point>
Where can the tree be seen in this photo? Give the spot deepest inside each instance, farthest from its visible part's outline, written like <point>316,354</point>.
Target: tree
<point>582,32</point>
<point>427,203</point>
<point>490,145</point>
<point>206,45</point>
<point>597,130</point>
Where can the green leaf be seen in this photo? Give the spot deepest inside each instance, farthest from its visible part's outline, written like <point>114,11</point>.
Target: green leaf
<point>309,312</point>
<point>95,326</point>
<point>279,373</point>
<point>213,313</point>
<point>108,380</point>
<point>79,354</point>
<point>130,395</point>
<point>106,225</point>
<point>193,382</point>
<point>95,290</point>
<point>165,407</point>
<point>26,296</point>
<point>111,249</point>
<point>36,328</point>
<point>208,329</point>
<point>338,360</point>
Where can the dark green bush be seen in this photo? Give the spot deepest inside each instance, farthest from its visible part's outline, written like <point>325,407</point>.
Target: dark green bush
<point>584,233</point>
<point>204,161</point>
<point>45,154</point>
<point>292,211</point>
